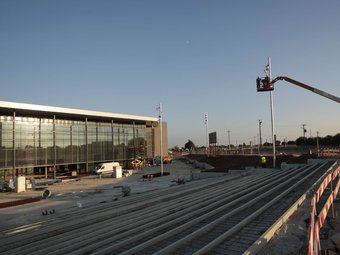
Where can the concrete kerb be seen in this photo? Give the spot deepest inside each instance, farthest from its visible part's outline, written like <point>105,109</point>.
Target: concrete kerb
<point>257,170</point>
<point>268,235</point>
<point>316,161</point>
<point>285,166</point>
<point>200,165</point>
<point>205,175</point>
<point>198,174</point>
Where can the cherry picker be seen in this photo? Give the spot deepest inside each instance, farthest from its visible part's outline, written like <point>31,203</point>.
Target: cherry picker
<point>265,84</point>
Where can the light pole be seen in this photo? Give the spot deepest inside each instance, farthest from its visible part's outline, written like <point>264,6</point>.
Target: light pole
<point>35,148</point>
<point>206,133</point>
<point>260,145</point>
<point>229,139</point>
<point>317,142</point>
<point>304,130</point>
<point>161,134</point>
<point>269,69</point>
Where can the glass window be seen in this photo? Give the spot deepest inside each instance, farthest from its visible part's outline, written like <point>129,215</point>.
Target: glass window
<point>6,141</point>
<point>35,145</point>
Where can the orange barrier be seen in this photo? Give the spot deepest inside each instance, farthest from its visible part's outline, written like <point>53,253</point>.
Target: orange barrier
<point>317,223</point>
<point>329,153</point>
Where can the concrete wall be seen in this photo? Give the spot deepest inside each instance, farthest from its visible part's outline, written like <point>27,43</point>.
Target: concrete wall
<point>153,135</point>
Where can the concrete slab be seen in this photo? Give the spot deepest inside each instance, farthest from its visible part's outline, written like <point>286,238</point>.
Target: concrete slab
<point>86,192</point>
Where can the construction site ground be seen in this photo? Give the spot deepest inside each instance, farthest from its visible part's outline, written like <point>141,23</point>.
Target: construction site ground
<point>74,194</point>
<point>86,192</point>
<point>292,237</point>
<point>223,163</point>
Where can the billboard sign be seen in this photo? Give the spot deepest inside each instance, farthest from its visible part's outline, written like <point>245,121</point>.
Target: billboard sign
<point>212,138</point>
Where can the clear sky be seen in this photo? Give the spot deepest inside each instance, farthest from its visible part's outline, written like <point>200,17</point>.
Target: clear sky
<point>193,56</point>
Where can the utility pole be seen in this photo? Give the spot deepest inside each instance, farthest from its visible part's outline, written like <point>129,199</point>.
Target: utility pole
<point>260,145</point>
<point>206,133</point>
<point>161,134</point>
<point>229,139</point>
<point>317,142</point>
<point>304,130</point>
<point>269,70</point>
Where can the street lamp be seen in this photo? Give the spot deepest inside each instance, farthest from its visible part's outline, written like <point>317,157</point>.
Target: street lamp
<point>260,145</point>
<point>304,130</point>
<point>206,133</point>
<point>272,113</point>
<point>161,134</point>
<point>266,84</point>
<point>35,148</point>
<point>229,139</point>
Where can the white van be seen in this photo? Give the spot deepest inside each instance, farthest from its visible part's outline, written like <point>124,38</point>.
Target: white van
<point>107,168</point>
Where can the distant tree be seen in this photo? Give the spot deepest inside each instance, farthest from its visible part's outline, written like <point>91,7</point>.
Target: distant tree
<point>312,141</point>
<point>176,148</point>
<point>189,145</point>
<point>327,140</point>
<point>291,143</point>
<point>301,141</point>
<point>336,139</point>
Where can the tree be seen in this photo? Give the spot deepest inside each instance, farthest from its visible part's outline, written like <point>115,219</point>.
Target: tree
<point>291,143</point>
<point>176,148</point>
<point>327,140</point>
<point>301,141</point>
<point>189,145</point>
<point>336,139</point>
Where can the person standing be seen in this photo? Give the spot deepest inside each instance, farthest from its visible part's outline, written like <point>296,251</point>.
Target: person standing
<point>263,162</point>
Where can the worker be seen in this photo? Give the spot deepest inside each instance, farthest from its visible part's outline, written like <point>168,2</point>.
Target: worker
<point>263,162</point>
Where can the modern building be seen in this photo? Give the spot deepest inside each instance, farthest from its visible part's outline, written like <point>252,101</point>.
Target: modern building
<point>48,141</point>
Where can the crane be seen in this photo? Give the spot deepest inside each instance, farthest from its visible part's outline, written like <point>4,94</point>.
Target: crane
<point>264,84</point>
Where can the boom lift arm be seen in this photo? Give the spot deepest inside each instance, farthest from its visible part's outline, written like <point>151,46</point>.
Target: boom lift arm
<point>263,84</point>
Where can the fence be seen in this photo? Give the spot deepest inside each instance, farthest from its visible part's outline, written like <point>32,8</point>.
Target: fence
<point>317,221</point>
<point>329,152</point>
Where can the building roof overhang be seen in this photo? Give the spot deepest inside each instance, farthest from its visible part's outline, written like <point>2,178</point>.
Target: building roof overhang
<point>41,110</point>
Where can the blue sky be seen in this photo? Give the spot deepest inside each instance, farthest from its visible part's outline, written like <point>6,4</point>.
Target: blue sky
<point>127,56</point>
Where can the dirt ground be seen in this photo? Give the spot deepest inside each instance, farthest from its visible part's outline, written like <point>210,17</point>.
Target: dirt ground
<point>224,163</point>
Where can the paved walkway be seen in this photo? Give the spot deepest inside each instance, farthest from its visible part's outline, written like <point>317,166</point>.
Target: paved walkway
<point>86,192</point>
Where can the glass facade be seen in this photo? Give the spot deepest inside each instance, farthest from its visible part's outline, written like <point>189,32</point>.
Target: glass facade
<point>38,145</point>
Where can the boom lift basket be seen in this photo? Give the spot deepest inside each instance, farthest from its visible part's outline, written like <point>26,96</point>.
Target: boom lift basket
<point>264,84</point>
